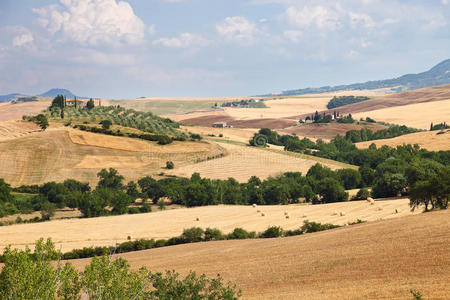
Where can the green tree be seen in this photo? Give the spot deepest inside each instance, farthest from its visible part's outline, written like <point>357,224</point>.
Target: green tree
<point>106,124</point>
<point>42,121</point>
<point>132,189</point>
<point>110,179</point>
<point>5,192</point>
<point>58,101</point>
<point>90,104</point>
<point>47,210</point>
<point>330,190</point>
<point>170,165</point>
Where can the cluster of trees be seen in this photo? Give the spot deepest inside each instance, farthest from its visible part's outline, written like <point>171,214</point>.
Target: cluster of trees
<point>439,126</point>
<point>318,118</point>
<point>35,275</point>
<point>290,142</point>
<point>345,100</point>
<point>365,134</point>
<point>252,103</point>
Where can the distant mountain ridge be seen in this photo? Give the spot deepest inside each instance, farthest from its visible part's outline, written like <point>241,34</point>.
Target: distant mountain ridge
<point>52,93</point>
<point>438,75</point>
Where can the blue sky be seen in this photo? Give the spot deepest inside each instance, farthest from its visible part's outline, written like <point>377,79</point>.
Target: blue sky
<point>126,49</point>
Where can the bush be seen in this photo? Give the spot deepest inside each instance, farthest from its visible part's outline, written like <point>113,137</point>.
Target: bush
<point>170,165</point>
<point>192,235</point>
<point>363,194</point>
<point>106,124</point>
<point>309,227</point>
<point>238,234</point>
<point>213,234</point>
<point>272,232</point>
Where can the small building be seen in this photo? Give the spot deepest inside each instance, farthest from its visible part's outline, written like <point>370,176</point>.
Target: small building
<point>219,125</point>
<point>73,101</point>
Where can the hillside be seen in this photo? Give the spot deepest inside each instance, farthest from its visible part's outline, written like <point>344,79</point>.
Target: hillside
<point>9,97</point>
<point>52,93</point>
<point>78,233</point>
<point>60,153</point>
<point>437,75</point>
<point>378,260</point>
<point>430,140</point>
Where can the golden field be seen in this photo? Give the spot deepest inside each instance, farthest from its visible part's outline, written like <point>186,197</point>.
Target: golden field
<point>78,233</point>
<point>375,260</point>
<point>430,140</point>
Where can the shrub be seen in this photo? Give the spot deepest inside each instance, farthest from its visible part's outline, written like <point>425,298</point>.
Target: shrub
<point>272,232</point>
<point>170,165</point>
<point>363,194</point>
<point>238,234</point>
<point>309,227</point>
<point>213,234</point>
<point>106,124</point>
<point>192,235</point>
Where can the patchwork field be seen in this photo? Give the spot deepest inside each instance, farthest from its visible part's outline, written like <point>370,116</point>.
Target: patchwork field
<point>78,233</point>
<point>60,153</point>
<point>376,260</point>
<point>430,140</point>
<point>242,162</point>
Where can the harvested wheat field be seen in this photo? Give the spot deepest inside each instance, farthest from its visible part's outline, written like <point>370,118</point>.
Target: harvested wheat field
<point>415,115</point>
<point>78,233</point>
<point>9,111</point>
<point>14,129</point>
<point>243,162</point>
<point>376,260</point>
<point>233,134</point>
<point>430,140</point>
<point>59,153</point>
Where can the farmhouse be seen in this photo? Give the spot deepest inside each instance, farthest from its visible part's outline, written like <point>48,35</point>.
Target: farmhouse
<point>221,125</point>
<point>75,102</point>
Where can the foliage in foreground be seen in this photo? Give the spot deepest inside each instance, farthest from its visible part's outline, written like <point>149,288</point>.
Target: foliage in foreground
<point>34,275</point>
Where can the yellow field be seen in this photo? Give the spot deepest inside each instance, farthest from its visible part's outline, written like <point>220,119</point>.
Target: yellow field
<point>232,134</point>
<point>59,153</point>
<point>377,260</point>
<point>242,162</point>
<point>429,140</point>
<point>14,129</point>
<point>10,111</point>
<point>415,115</point>
<point>78,233</point>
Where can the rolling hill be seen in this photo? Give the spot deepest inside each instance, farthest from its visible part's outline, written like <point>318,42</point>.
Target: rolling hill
<point>437,75</point>
<point>376,260</point>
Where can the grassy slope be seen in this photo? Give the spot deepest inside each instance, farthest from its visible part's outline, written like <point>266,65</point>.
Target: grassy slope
<point>379,260</point>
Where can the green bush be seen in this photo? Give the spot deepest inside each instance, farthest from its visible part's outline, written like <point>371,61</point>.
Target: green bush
<point>309,227</point>
<point>238,234</point>
<point>272,232</point>
<point>213,234</point>
<point>192,235</point>
<point>170,165</point>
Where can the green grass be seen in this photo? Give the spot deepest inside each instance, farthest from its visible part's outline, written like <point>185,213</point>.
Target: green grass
<point>23,197</point>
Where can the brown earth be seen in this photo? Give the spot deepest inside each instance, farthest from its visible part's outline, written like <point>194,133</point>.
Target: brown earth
<point>376,260</point>
<point>327,131</point>
<point>253,123</point>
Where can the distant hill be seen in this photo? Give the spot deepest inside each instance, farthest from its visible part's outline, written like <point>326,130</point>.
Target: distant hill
<point>55,92</point>
<point>9,97</point>
<point>438,75</point>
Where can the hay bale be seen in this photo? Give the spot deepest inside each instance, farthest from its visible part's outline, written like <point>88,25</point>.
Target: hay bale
<point>379,208</point>
<point>286,213</point>
<point>370,199</point>
<point>197,219</point>
<point>287,216</point>
<point>258,211</point>
<point>397,211</point>
<point>254,205</point>
<point>263,214</point>
<point>304,216</point>
<point>342,213</point>
<point>129,238</point>
<point>335,213</point>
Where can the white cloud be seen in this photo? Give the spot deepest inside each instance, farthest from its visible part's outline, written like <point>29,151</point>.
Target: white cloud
<point>357,19</point>
<point>23,39</point>
<point>184,40</point>
<point>237,28</point>
<point>93,22</point>
<point>445,2</point>
<point>89,56</point>
<point>320,16</point>
<point>292,35</point>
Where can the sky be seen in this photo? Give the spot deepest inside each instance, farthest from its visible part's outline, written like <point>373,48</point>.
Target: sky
<point>134,48</point>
